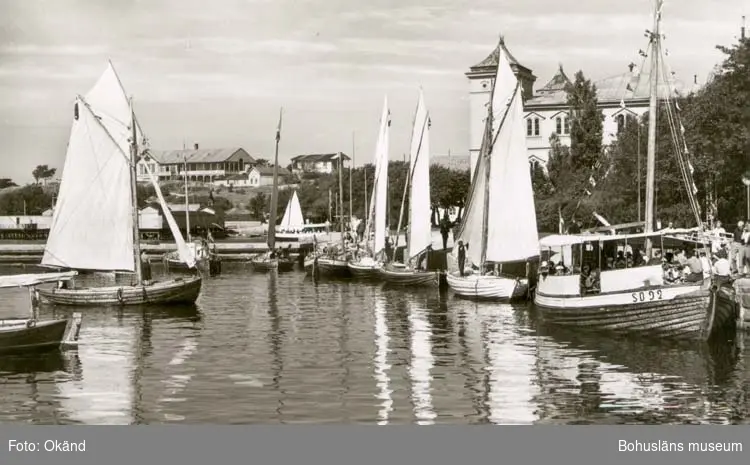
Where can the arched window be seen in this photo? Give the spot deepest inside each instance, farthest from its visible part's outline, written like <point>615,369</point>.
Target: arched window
<point>620,123</point>
<point>558,125</point>
<point>566,125</point>
<point>529,127</point>
<point>536,126</point>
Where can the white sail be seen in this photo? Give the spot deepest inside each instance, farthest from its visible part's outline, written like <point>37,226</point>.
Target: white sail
<point>293,214</point>
<point>110,103</point>
<point>92,223</point>
<point>379,197</point>
<point>471,227</point>
<point>420,209</point>
<point>186,253</point>
<point>422,362</point>
<point>511,225</point>
<point>512,231</point>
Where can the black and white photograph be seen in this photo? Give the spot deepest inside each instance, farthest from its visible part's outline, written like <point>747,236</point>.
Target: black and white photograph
<point>448,212</point>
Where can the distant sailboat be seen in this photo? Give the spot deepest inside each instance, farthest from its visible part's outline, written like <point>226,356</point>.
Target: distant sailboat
<point>292,226</point>
<point>419,232</point>
<point>499,226</point>
<point>370,261</point>
<point>95,222</point>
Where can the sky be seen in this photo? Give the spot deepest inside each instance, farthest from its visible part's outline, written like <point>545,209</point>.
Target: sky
<point>216,73</point>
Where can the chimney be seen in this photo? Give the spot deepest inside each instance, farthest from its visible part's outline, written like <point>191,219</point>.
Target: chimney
<point>742,30</point>
<point>195,146</point>
<point>695,79</point>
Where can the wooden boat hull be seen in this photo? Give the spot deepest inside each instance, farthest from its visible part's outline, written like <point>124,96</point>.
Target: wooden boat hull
<point>477,287</point>
<point>329,267</point>
<point>407,277</point>
<point>365,270</point>
<point>687,311</point>
<point>27,336</point>
<point>176,291</point>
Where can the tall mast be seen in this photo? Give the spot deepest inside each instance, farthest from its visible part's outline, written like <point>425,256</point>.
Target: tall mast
<point>351,205</point>
<point>341,198</point>
<point>134,197</point>
<point>652,109</point>
<point>275,192</point>
<point>187,202</point>
<point>364,170</point>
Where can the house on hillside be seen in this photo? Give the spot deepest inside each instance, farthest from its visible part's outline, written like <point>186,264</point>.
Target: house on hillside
<point>263,175</point>
<point>203,165</point>
<point>323,163</point>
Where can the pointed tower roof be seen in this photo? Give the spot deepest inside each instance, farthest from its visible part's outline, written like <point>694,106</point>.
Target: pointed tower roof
<point>490,63</point>
<point>558,82</point>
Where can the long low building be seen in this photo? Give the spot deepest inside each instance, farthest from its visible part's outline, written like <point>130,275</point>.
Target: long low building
<point>200,164</point>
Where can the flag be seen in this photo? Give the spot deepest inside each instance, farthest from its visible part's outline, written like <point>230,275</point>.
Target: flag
<point>278,129</point>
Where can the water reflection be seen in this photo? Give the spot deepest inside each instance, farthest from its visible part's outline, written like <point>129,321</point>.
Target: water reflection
<point>382,367</point>
<point>422,362</point>
<point>268,348</point>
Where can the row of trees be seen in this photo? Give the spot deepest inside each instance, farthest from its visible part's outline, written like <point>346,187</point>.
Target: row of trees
<point>448,188</point>
<point>716,122</point>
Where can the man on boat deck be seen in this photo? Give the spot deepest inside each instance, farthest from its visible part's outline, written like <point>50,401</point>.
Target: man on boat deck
<point>445,227</point>
<point>696,268</point>
<point>145,268</point>
<point>737,255</point>
<point>361,230</point>
<point>461,257</point>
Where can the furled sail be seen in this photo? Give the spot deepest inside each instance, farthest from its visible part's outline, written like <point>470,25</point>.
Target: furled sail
<point>92,223</point>
<point>186,253</point>
<point>420,209</point>
<point>32,279</point>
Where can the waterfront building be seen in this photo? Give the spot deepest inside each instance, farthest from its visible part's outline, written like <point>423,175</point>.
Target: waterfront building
<point>204,165</point>
<point>321,163</point>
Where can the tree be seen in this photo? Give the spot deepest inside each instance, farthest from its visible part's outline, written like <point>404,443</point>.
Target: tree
<point>569,169</point>
<point>29,200</point>
<point>716,122</point>
<point>7,182</point>
<point>43,172</point>
<point>261,162</point>
<point>257,206</point>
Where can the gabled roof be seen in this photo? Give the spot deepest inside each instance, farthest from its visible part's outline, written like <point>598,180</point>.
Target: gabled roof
<point>315,157</point>
<point>172,157</point>
<point>491,61</point>
<point>552,93</point>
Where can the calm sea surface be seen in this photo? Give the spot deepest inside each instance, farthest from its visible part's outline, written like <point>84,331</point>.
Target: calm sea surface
<point>262,348</point>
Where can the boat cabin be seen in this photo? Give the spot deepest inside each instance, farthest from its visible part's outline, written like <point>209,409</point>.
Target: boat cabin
<point>585,264</point>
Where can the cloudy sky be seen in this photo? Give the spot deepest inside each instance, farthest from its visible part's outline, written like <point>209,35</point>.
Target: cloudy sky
<point>217,72</point>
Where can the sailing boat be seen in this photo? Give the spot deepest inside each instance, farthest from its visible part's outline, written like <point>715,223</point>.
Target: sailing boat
<point>269,260</point>
<point>206,261</point>
<point>293,222</point>
<point>499,226</point>
<point>332,261</point>
<point>419,233</point>
<point>638,299</point>
<point>95,222</point>
<point>23,335</point>
<point>367,264</point>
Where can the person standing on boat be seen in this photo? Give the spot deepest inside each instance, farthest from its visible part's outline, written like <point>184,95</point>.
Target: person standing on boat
<point>445,227</point>
<point>695,266</point>
<point>461,257</point>
<point>737,255</point>
<point>145,268</point>
<point>361,230</point>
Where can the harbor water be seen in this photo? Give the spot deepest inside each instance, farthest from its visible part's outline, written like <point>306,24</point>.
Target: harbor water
<point>270,349</point>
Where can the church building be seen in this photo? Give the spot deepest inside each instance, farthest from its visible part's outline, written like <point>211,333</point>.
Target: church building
<point>620,98</point>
